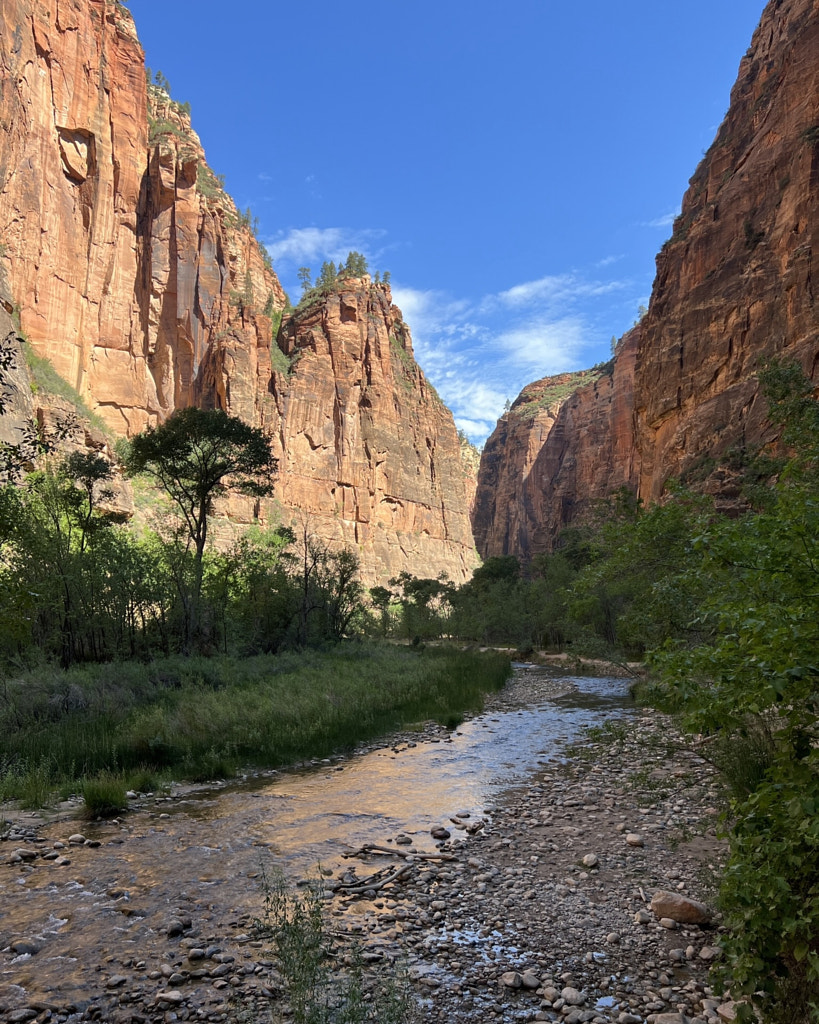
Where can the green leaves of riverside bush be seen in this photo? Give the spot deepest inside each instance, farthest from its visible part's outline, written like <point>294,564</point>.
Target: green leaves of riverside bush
<point>753,687</point>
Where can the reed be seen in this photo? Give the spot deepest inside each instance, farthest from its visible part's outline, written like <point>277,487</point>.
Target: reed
<point>201,718</point>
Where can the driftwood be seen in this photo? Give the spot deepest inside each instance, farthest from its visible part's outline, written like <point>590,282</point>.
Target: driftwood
<point>370,848</point>
<point>375,882</point>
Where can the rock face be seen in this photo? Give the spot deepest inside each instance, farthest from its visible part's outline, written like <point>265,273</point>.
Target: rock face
<point>734,283</point>
<point>136,276</point>
<point>733,288</point>
<point>368,452</point>
<point>565,439</point>
<point>129,264</point>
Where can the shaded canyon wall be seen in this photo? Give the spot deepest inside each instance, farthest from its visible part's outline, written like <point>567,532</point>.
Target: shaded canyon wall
<point>734,287</point>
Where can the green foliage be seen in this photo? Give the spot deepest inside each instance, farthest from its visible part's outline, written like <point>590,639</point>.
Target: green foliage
<point>531,403</point>
<point>191,456</point>
<point>208,184</point>
<point>356,265</point>
<point>202,717</point>
<point>752,683</point>
<point>46,379</point>
<point>316,992</point>
<point>104,796</point>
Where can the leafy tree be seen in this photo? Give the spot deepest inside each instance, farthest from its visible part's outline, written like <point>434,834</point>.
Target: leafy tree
<point>425,604</point>
<point>195,456</point>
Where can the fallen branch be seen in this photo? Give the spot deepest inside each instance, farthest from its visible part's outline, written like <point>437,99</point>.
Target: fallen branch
<point>370,848</point>
<point>371,885</point>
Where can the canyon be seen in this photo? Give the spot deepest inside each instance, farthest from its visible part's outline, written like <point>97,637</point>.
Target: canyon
<point>733,289</point>
<point>131,270</point>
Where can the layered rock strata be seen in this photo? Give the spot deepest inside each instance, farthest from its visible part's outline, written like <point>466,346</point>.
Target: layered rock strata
<point>565,439</point>
<point>129,264</point>
<point>369,454</point>
<point>136,276</point>
<point>733,289</point>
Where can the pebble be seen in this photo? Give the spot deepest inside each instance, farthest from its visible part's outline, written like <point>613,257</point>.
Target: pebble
<point>485,932</point>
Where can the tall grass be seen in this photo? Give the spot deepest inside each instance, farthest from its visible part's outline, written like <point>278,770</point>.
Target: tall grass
<point>201,718</point>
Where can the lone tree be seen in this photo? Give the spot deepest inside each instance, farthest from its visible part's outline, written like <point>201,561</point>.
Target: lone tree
<point>195,456</point>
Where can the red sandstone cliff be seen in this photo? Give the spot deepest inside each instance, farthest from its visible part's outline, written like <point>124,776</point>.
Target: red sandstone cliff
<point>124,259</point>
<point>734,284</point>
<point>367,449</point>
<point>138,279</point>
<point>564,439</point>
<point>733,288</point>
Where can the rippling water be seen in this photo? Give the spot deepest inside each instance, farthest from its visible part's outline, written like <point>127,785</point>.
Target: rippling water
<point>205,852</point>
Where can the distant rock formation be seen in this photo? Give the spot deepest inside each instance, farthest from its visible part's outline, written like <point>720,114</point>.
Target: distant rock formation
<point>734,287</point>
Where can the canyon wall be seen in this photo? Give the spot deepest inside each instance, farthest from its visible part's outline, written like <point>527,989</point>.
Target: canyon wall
<point>733,289</point>
<point>133,273</point>
<point>565,440</point>
<point>368,451</point>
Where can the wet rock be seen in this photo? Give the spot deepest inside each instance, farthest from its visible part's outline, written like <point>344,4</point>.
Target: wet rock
<point>26,946</point>
<point>679,908</point>
<point>175,928</point>
<point>439,832</point>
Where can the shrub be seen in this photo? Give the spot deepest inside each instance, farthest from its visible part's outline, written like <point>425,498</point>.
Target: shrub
<point>104,796</point>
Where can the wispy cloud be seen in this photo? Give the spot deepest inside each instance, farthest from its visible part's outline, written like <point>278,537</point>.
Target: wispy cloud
<point>480,353</point>
<point>308,245</point>
<point>665,221</point>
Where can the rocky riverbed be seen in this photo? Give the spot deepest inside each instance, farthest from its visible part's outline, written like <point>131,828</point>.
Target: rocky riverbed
<point>537,909</point>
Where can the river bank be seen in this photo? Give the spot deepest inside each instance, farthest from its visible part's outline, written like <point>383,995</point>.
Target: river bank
<point>514,927</point>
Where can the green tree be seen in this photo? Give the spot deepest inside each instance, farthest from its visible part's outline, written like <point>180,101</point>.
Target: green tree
<point>195,456</point>
<point>305,280</point>
<point>327,276</point>
<point>356,265</point>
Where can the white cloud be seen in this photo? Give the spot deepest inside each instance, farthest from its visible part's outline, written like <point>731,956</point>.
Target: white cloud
<point>544,347</point>
<point>310,245</point>
<point>479,354</point>
<point>662,222</point>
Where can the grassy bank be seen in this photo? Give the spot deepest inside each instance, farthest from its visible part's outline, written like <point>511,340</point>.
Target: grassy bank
<point>200,718</point>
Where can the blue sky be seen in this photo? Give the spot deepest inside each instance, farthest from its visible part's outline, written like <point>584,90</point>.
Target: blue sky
<point>515,167</point>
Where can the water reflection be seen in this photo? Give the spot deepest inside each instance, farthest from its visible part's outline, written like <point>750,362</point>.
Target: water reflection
<point>205,851</point>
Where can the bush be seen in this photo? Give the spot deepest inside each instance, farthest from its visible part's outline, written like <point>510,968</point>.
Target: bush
<point>104,796</point>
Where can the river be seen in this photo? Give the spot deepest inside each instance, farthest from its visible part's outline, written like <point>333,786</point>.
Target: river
<point>200,854</point>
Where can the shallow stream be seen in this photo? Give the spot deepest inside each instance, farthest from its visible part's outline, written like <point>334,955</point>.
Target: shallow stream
<point>201,854</point>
